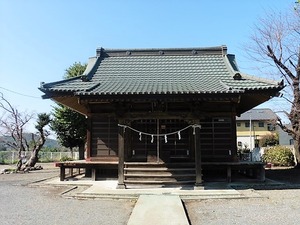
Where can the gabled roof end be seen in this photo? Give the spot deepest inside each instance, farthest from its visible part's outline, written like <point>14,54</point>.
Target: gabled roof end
<point>99,51</point>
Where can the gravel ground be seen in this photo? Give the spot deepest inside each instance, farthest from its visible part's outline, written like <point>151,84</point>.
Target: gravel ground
<point>277,205</point>
<point>21,204</point>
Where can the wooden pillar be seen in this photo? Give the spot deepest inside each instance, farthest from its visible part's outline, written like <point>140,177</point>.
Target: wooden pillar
<point>62,173</point>
<point>94,173</point>
<point>88,139</point>
<point>261,173</point>
<point>198,164</point>
<point>121,148</point>
<point>233,151</point>
<point>228,173</point>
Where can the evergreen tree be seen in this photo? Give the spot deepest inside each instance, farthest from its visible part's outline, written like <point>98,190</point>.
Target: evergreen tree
<point>70,126</point>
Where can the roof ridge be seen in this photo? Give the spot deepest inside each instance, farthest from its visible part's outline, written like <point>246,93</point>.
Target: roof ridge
<point>222,49</point>
<point>91,68</point>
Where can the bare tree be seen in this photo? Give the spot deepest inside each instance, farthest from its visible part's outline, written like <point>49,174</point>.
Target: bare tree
<point>13,124</point>
<point>42,121</point>
<point>276,44</point>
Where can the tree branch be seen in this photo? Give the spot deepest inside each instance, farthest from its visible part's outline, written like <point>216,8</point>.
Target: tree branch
<point>279,63</point>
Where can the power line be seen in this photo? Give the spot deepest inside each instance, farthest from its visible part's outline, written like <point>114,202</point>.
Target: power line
<point>24,95</point>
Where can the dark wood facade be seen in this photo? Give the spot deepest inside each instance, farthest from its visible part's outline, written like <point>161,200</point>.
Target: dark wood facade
<point>160,134</point>
<point>215,135</point>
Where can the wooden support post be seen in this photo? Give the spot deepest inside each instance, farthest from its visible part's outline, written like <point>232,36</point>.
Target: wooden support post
<point>261,173</point>
<point>121,155</point>
<point>228,173</point>
<point>62,173</point>
<point>94,174</point>
<point>88,138</point>
<point>197,150</point>
<point>233,149</point>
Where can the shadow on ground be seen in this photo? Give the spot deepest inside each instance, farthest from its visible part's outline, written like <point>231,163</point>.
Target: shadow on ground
<point>277,178</point>
<point>286,175</point>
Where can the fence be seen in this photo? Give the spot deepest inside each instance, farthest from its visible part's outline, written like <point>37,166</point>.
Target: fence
<point>10,157</point>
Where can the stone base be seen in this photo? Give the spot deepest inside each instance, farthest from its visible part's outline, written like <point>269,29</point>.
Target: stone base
<point>199,186</point>
<point>121,186</point>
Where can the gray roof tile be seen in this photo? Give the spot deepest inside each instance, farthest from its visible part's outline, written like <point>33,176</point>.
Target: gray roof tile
<point>145,72</point>
<point>258,115</point>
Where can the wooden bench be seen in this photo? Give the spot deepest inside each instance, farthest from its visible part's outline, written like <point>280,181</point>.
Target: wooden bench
<point>257,168</point>
<point>92,165</point>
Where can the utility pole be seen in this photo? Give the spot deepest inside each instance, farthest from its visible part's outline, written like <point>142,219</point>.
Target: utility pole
<point>250,125</point>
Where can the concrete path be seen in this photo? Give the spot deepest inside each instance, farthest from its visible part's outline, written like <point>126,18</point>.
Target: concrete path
<point>157,206</point>
<point>158,210</point>
<point>107,189</point>
<point>97,191</point>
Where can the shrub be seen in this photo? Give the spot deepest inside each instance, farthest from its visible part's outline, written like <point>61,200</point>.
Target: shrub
<point>278,156</point>
<point>2,158</point>
<point>66,158</point>
<point>269,140</point>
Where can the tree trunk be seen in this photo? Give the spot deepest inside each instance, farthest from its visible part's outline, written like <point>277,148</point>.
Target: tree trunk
<point>71,150</point>
<point>35,152</point>
<point>33,158</point>
<point>20,158</point>
<point>297,150</point>
<point>19,164</point>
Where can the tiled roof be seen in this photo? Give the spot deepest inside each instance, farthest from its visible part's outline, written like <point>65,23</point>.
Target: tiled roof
<point>258,114</point>
<point>160,71</point>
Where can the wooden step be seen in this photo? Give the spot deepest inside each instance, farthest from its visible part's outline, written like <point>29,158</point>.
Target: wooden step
<point>158,164</point>
<point>141,173</point>
<point>160,175</point>
<point>158,169</point>
<point>159,182</point>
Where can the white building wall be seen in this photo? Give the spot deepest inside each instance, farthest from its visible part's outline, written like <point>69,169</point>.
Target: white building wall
<point>246,140</point>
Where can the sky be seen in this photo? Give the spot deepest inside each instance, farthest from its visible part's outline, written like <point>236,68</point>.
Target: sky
<point>39,40</point>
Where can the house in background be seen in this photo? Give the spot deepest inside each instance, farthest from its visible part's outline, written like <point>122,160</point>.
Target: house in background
<point>285,138</point>
<point>254,125</point>
<point>158,110</point>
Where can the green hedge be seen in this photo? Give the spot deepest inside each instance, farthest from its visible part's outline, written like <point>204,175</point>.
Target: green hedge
<point>278,156</point>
